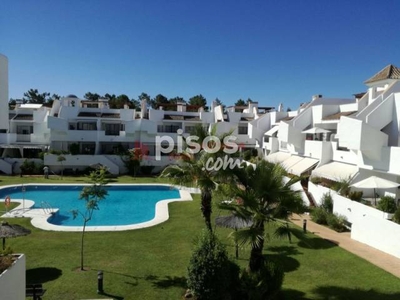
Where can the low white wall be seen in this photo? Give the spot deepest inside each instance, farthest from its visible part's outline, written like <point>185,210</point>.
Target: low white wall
<point>298,187</point>
<point>317,191</point>
<point>13,280</point>
<point>378,233</point>
<point>369,225</point>
<point>353,210</point>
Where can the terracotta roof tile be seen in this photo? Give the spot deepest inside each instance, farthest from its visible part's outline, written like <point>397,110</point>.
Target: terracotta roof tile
<point>23,117</point>
<point>192,118</point>
<point>389,72</point>
<point>98,115</point>
<point>173,117</point>
<point>286,119</point>
<point>338,115</point>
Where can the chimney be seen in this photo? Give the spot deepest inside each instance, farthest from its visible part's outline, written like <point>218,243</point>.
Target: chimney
<point>143,108</point>
<point>181,106</point>
<point>316,97</point>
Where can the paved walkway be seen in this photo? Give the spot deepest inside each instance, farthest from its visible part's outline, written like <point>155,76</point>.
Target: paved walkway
<point>381,259</point>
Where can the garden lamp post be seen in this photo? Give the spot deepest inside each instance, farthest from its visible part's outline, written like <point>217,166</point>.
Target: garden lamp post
<point>100,282</point>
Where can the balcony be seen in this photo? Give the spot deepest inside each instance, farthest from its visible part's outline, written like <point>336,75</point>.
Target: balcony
<point>23,137</point>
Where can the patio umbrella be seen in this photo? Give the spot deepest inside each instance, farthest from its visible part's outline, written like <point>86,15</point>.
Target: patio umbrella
<point>315,130</point>
<point>11,230</point>
<point>375,182</point>
<point>234,222</point>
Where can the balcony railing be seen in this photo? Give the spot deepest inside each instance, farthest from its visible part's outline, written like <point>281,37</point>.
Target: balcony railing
<point>23,137</point>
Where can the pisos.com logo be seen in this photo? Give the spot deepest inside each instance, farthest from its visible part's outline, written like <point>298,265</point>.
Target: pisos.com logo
<point>211,144</point>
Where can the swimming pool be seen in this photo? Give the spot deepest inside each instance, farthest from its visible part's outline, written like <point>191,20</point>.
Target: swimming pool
<point>124,204</point>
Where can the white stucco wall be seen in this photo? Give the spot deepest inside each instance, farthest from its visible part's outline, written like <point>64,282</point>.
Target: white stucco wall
<point>13,281</point>
<point>369,225</point>
<point>382,114</point>
<point>304,119</point>
<point>378,233</point>
<point>318,191</point>
<point>349,157</point>
<point>319,150</point>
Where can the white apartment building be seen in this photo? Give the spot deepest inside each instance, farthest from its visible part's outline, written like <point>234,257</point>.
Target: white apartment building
<point>340,138</point>
<point>97,133</point>
<point>327,137</point>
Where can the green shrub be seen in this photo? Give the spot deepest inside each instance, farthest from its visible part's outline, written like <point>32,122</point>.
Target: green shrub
<point>211,274</point>
<point>316,180</point>
<point>327,202</point>
<point>337,223</point>
<point>396,216</point>
<point>41,155</point>
<point>58,152</point>
<point>7,251</point>
<point>28,167</point>
<point>319,215</point>
<point>5,262</point>
<point>146,170</point>
<point>387,204</point>
<point>247,155</point>
<point>356,196</point>
<point>342,187</point>
<point>264,284</point>
<point>5,259</point>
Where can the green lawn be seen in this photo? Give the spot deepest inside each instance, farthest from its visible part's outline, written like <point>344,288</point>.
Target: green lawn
<point>151,263</point>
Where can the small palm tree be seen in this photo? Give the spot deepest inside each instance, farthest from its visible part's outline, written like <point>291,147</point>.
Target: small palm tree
<point>92,195</point>
<point>263,197</point>
<point>194,171</point>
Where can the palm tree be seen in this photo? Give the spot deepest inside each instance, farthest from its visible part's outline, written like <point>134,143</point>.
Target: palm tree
<point>264,197</point>
<point>194,170</point>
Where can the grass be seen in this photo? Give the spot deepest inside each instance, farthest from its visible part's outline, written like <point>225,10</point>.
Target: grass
<point>151,263</point>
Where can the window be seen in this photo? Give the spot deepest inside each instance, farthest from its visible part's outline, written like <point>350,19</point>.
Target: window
<point>87,126</point>
<point>113,129</point>
<point>24,129</point>
<point>168,128</point>
<point>242,130</point>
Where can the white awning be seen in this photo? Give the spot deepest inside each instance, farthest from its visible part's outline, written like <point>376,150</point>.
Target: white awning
<point>272,131</point>
<point>291,161</point>
<point>303,165</point>
<point>9,146</point>
<point>277,157</point>
<point>336,171</point>
<point>34,146</point>
<point>31,105</point>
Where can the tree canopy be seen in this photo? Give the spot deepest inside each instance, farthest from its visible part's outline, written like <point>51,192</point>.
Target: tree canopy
<point>198,100</point>
<point>91,96</point>
<point>33,96</point>
<point>159,100</point>
<point>240,102</point>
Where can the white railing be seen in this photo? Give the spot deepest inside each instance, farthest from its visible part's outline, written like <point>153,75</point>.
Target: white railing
<point>23,137</point>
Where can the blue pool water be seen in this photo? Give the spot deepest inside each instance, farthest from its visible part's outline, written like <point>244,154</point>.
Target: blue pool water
<point>124,204</point>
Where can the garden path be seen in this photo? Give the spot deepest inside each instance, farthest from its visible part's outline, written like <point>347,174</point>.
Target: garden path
<point>381,259</point>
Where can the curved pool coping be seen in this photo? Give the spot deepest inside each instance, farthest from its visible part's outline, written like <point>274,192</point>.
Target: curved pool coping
<point>39,216</point>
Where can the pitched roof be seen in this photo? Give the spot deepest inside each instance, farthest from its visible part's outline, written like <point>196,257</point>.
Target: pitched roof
<point>389,72</point>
